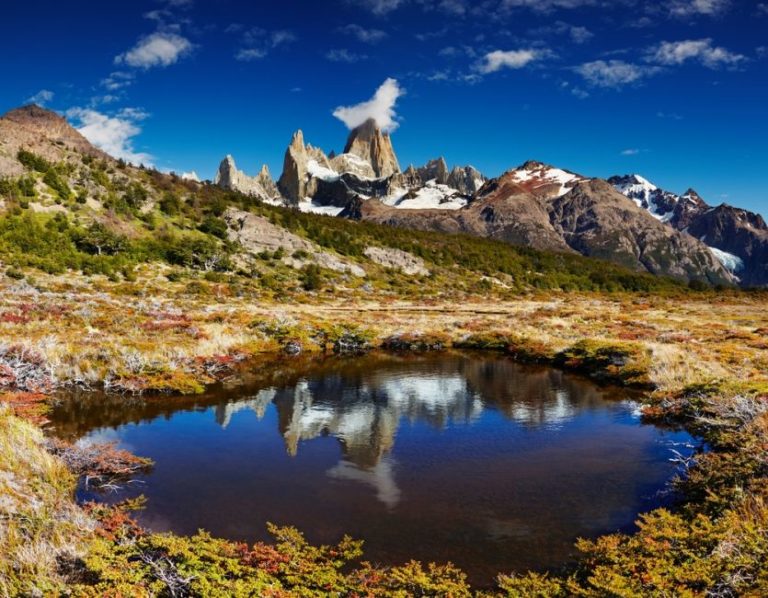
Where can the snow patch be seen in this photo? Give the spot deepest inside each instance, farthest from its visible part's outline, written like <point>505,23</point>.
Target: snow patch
<point>546,175</point>
<point>732,263</point>
<point>308,205</point>
<point>432,196</point>
<point>321,172</point>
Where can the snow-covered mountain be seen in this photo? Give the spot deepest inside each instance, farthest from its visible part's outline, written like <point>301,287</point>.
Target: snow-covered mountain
<point>545,180</point>
<point>738,238</point>
<point>534,204</point>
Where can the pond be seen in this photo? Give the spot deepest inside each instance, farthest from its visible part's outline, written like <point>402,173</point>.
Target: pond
<point>468,458</point>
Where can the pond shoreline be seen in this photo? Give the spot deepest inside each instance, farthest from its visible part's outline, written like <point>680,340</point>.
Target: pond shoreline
<point>723,487</point>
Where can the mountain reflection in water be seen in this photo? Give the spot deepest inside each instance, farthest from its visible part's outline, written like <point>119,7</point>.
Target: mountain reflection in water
<point>469,458</point>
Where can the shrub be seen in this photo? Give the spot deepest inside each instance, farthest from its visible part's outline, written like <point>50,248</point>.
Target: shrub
<point>59,185</point>
<point>311,277</point>
<point>213,226</point>
<point>33,161</point>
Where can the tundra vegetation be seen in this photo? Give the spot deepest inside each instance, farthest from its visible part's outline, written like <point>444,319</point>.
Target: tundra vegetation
<point>128,281</point>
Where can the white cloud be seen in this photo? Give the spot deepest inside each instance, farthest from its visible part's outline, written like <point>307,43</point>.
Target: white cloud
<point>689,8</point>
<point>381,108</point>
<point>378,7</point>
<point>112,134</point>
<point>614,73</point>
<point>630,152</point>
<point>367,36</point>
<point>702,50</point>
<point>41,98</point>
<point>511,59</point>
<point>157,49</point>
<point>344,55</point>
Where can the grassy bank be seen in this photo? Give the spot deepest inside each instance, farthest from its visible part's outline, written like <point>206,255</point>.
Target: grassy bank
<point>704,356</point>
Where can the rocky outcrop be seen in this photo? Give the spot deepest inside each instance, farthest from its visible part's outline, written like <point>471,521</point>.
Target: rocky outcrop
<point>375,147</point>
<point>434,170</point>
<point>688,208</point>
<point>467,179</point>
<point>229,177</point>
<point>292,182</point>
<point>406,262</point>
<point>256,234</point>
<point>300,166</point>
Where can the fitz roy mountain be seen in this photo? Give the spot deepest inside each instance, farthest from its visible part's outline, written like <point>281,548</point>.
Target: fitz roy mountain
<point>625,219</point>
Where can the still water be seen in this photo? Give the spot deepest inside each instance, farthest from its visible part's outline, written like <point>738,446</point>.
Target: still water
<point>467,458</point>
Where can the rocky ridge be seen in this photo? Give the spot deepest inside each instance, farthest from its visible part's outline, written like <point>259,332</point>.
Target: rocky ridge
<point>738,238</point>
<point>261,186</point>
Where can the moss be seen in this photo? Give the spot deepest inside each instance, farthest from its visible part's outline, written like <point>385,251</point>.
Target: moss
<point>619,362</point>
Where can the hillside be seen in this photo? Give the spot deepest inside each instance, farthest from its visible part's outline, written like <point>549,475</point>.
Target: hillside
<point>68,206</point>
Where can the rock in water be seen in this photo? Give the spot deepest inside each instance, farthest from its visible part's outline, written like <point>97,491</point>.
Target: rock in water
<point>369,143</point>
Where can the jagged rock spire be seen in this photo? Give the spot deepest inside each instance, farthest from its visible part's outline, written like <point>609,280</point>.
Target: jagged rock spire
<point>368,142</point>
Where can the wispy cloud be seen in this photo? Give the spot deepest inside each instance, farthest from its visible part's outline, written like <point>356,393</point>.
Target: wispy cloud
<point>344,55</point>
<point>117,80</point>
<point>630,152</point>
<point>577,33</point>
<point>367,36</point>
<point>701,50</point>
<point>41,98</point>
<point>614,73</point>
<point>381,108</point>
<point>113,134</point>
<point>689,8</point>
<point>258,42</point>
<point>545,5</point>
<point>159,49</point>
<point>378,7</point>
<point>510,59</point>
<point>249,54</point>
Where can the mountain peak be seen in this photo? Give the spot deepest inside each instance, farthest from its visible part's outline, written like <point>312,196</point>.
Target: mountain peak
<point>368,142</point>
<point>32,113</point>
<point>692,195</point>
<point>44,132</point>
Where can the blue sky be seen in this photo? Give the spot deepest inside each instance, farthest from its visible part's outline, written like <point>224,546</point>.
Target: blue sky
<point>676,90</point>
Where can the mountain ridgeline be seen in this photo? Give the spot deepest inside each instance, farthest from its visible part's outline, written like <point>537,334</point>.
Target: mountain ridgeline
<point>68,205</point>
<point>626,219</point>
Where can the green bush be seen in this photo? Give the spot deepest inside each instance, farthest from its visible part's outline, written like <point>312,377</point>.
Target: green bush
<point>33,161</point>
<point>58,184</point>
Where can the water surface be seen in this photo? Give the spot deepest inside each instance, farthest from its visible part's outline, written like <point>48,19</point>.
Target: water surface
<point>467,458</point>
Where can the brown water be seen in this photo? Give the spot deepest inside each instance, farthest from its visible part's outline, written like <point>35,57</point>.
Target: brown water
<point>466,458</point>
